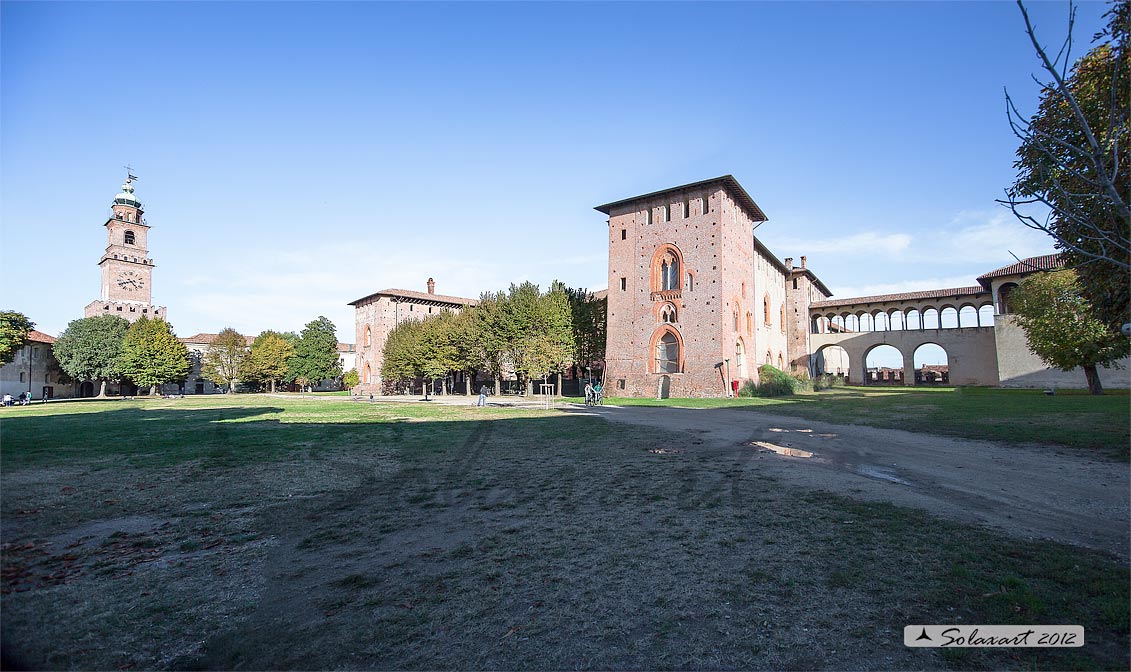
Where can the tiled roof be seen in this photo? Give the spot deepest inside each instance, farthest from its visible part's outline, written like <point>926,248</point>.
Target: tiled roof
<point>207,339</point>
<point>40,337</point>
<point>419,296</point>
<point>345,347</point>
<point>905,296</point>
<point>600,294</point>
<point>1047,262</point>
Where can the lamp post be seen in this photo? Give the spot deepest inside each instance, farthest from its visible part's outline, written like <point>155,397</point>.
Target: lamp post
<point>729,391</point>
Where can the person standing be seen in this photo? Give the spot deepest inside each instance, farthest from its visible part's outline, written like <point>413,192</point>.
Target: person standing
<point>7,399</point>
<point>588,394</point>
<point>483,392</point>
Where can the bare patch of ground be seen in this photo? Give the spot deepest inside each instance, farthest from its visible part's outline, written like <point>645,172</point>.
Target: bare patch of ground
<point>1025,490</point>
<point>532,540</point>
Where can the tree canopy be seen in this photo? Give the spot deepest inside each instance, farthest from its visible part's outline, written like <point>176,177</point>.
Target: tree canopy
<point>267,361</point>
<point>90,349</point>
<point>151,354</point>
<point>316,353</point>
<point>1062,328</point>
<point>1074,162</point>
<point>224,361</point>
<point>14,330</point>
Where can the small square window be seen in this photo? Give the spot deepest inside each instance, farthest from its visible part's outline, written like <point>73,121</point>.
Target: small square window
<point>623,284</point>
<point>624,234</point>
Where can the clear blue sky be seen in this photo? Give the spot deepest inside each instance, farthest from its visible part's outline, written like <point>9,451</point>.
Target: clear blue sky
<point>296,156</point>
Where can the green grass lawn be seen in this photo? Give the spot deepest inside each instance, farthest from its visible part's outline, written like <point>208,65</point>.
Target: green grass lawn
<point>267,533</point>
<point>1071,418</point>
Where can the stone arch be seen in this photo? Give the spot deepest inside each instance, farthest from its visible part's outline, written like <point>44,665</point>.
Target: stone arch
<point>666,312</point>
<point>967,316</point>
<point>866,321</point>
<point>832,360</point>
<point>368,338</point>
<point>986,315</point>
<point>931,318</point>
<point>1003,292</point>
<point>851,323</point>
<point>130,238</point>
<point>896,320</point>
<point>367,375</point>
<point>928,370</point>
<point>880,321</point>
<point>948,317</point>
<point>766,308</point>
<point>883,365</point>
<point>838,322</point>
<point>667,350</point>
<point>667,262</point>
<point>914,319</point>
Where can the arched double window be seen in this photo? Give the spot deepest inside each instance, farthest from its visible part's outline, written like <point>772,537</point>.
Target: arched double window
<point>129,237</point>
<point>666,269</point>
<point>668,313</point>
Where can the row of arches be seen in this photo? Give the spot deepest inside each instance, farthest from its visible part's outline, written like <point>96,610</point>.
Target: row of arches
<point>884,365</point>
<point>947,317</point>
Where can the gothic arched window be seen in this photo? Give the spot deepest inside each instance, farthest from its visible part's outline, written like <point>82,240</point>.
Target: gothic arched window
<point>666,269</point>
<point>667,354</point>
<point>129,237</point>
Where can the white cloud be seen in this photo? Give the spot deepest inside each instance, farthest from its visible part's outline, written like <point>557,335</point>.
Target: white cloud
<point>866,242</point>
<point>989,236</point>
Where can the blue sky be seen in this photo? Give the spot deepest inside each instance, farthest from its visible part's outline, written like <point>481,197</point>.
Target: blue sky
<point>296,156</point>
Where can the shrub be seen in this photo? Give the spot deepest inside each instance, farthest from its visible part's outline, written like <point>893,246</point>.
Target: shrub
<point>827,381</point>
<point>776,383</point>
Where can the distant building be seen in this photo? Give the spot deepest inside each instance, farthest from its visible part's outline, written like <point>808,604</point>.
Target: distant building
<point>35,370</point>
<point>379,313</point>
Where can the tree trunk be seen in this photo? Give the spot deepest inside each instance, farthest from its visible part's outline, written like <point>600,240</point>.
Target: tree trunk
<point>467,384</point>
<point>102,390</point>
<point>559,390</point>
<point>153,390</point>
<point>529,387</point>
<point>498,386</point>
<point>272,386</point>
<point>1093,376</point>
<point>232,387</point>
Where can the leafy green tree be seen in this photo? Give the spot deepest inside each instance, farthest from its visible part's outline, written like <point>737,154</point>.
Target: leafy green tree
<point>438,354</point>
<point>14,330</point>
<point>267,360</point>
<point>90,349</point>
<point>316,353</point>
<point>1062,328</point>
<point>350,379</point>
<point>589,316</point>
<point>469,356</point>
<point>151,354</point>
<point>224,361</point>
<point>493,333</point>
<point>1075,163</point>
<point>402,357</point>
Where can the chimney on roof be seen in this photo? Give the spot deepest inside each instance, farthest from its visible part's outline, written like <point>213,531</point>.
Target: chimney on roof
<point>431,286</point>
<point>789,263</point>
<point>803,261</point>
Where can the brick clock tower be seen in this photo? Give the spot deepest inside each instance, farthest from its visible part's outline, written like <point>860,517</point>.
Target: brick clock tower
<point>127,270</point>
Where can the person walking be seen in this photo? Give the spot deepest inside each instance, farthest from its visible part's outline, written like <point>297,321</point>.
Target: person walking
<point>588,394</point>
<point>483,392</point>
<point>597,393</point>
<point>27,401</point>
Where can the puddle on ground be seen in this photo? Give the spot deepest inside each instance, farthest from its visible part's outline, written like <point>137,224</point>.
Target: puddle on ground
<point>881,473</point>
<point>664,451</point>
<point>782,450</point>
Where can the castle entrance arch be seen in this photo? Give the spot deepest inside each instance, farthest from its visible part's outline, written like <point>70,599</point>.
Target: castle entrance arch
<point>832,360</point>
<point>883,365</point>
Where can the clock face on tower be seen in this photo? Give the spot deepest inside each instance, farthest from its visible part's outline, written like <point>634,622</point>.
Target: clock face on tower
<point>130,281</point>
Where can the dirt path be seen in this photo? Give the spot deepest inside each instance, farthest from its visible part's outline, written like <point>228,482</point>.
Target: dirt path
<point>1026,491</point>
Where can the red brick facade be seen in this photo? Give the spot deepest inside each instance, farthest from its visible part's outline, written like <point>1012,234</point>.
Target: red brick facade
<point>672,332</point>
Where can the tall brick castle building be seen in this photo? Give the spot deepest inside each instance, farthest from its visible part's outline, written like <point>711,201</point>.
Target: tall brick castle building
<point>127,270</point>
<point>696,301</point>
